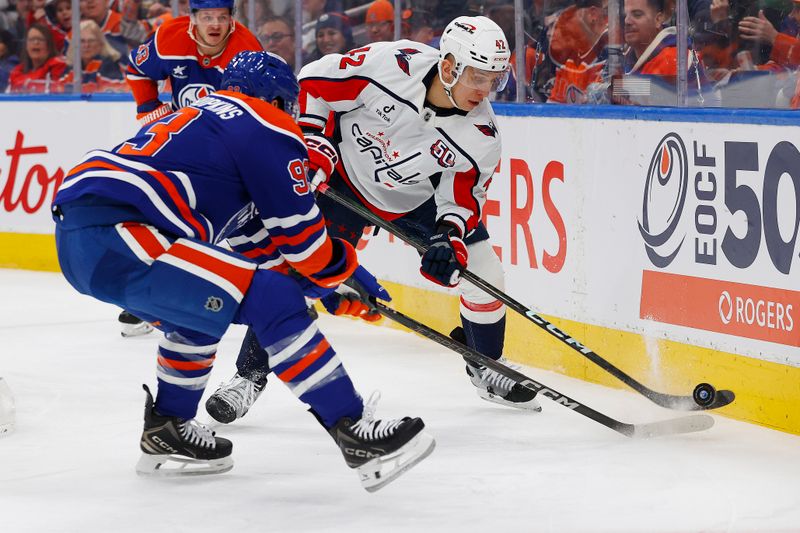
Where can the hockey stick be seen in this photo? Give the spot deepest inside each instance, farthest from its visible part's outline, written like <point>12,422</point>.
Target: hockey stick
<point>674,426</point>
<point>704,397</point>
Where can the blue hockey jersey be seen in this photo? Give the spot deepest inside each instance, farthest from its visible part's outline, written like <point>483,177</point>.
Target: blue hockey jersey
<point>172,54</point>
<point>228,166</point>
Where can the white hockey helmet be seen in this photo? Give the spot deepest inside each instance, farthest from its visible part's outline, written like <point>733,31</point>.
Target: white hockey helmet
<point>476,42</point>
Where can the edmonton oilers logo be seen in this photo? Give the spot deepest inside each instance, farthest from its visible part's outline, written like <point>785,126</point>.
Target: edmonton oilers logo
<point>664,199</point>
<point>194,92</point>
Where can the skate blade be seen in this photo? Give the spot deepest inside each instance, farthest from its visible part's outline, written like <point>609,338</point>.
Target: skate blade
<point>135,330</point>
<point>531,405</point>
<point>175,465</point>
<point>381,471</point>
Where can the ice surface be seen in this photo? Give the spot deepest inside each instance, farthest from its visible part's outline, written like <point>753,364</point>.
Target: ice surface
<point>69,467</point>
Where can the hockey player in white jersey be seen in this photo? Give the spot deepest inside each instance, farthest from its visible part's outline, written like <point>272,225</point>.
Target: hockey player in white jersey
<point>408,131</point>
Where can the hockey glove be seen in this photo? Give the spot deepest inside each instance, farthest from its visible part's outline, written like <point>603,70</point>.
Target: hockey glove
<point>341,266</point>
<point>322,158</point>
<point>356,297</point>
<point>152,111</point>
<point>446,256</point>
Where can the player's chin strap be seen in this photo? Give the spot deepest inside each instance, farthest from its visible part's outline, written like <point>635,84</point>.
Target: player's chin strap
<point>448,87</point>
<point>198,40</point>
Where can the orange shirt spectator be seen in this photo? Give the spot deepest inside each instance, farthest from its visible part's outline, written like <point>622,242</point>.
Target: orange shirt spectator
<point>379,21</point>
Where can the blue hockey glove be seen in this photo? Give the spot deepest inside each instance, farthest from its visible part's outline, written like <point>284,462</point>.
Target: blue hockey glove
<point>446,256</point>
<point>356,297</point>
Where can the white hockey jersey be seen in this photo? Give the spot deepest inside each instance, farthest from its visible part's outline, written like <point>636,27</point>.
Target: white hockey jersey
<point>396,151</point>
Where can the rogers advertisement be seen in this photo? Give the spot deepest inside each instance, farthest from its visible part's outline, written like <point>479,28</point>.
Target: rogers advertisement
<point>719,221</point>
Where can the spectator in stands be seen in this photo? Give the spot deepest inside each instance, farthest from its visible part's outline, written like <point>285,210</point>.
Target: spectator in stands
<point>577,37</point>
<point>59,20</point>
<point>334,35</point>
<point>277,36</point>
<point>140,19</point>
<point>785,46</point>
<point>418,26</point>
<point>262,9</point>
<point>8,57</point>
<point>312,11</point>
<point>652,50</point>
<point>40,66</point>
<point>110,23</point>
<point>379,21</point>
<point>19,26</point>
<point>100,66</point>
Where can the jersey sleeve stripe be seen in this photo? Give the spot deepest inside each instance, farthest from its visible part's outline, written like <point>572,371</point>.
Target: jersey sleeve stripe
<point>314,257</point>
<point>294,220</point>
<point>146,243</point>
<point>300,238</point>
<point>333,89</point>
<point>183,208</point>
<point>138,183</point>
<point>463,186</point>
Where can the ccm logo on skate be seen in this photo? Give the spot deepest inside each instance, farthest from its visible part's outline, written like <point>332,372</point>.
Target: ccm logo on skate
<point>360,453</point>
<point>163,445</point>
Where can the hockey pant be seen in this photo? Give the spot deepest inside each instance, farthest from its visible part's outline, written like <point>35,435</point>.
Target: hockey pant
<point>192,291</point>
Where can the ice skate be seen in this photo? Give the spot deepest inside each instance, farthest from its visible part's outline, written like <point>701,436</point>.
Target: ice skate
<point>495,387</point>
<point>233,399</point>
<point>131,326</point>
<point>174,447</point>
<point>381,450</point>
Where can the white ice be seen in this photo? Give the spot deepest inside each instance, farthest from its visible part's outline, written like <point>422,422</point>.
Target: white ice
<point>69,467</point>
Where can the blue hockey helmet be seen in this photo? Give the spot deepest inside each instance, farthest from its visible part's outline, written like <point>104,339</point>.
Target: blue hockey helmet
<point>263,75</point>
<point>210,4</point>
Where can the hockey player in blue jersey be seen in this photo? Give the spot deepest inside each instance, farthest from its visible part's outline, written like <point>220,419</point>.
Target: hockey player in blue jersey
<point>140,227</point>
<point>191,52</point>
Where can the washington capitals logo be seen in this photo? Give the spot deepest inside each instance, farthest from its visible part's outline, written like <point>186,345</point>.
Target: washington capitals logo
<point>490,130</point>
<point>402,56</point>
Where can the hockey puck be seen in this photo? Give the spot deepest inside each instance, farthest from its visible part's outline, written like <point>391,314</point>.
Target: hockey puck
<point>704,394</point>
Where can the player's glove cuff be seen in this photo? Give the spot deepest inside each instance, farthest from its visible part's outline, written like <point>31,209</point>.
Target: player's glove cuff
<point>322,158</point>
<point>446,256</point>
<point>145,117</point>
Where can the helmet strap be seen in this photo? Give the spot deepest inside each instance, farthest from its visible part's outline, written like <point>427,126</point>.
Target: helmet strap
<point>448,87</point>
<point>201,42</point>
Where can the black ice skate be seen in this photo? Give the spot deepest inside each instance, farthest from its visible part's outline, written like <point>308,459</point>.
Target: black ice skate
<point>495,387</point>
<point>233,399</point>
<point>381,450</point>
<point>131,326</point>
<point>175,447</point>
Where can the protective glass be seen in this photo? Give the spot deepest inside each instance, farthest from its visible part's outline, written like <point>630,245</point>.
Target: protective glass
<point>484,80</point>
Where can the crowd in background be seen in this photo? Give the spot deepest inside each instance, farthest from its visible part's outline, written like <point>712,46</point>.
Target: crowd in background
<point>740,53</point>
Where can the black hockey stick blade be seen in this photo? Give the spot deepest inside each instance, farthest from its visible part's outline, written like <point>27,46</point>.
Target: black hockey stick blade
<point>681,403</point>
<point>675,426</point>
